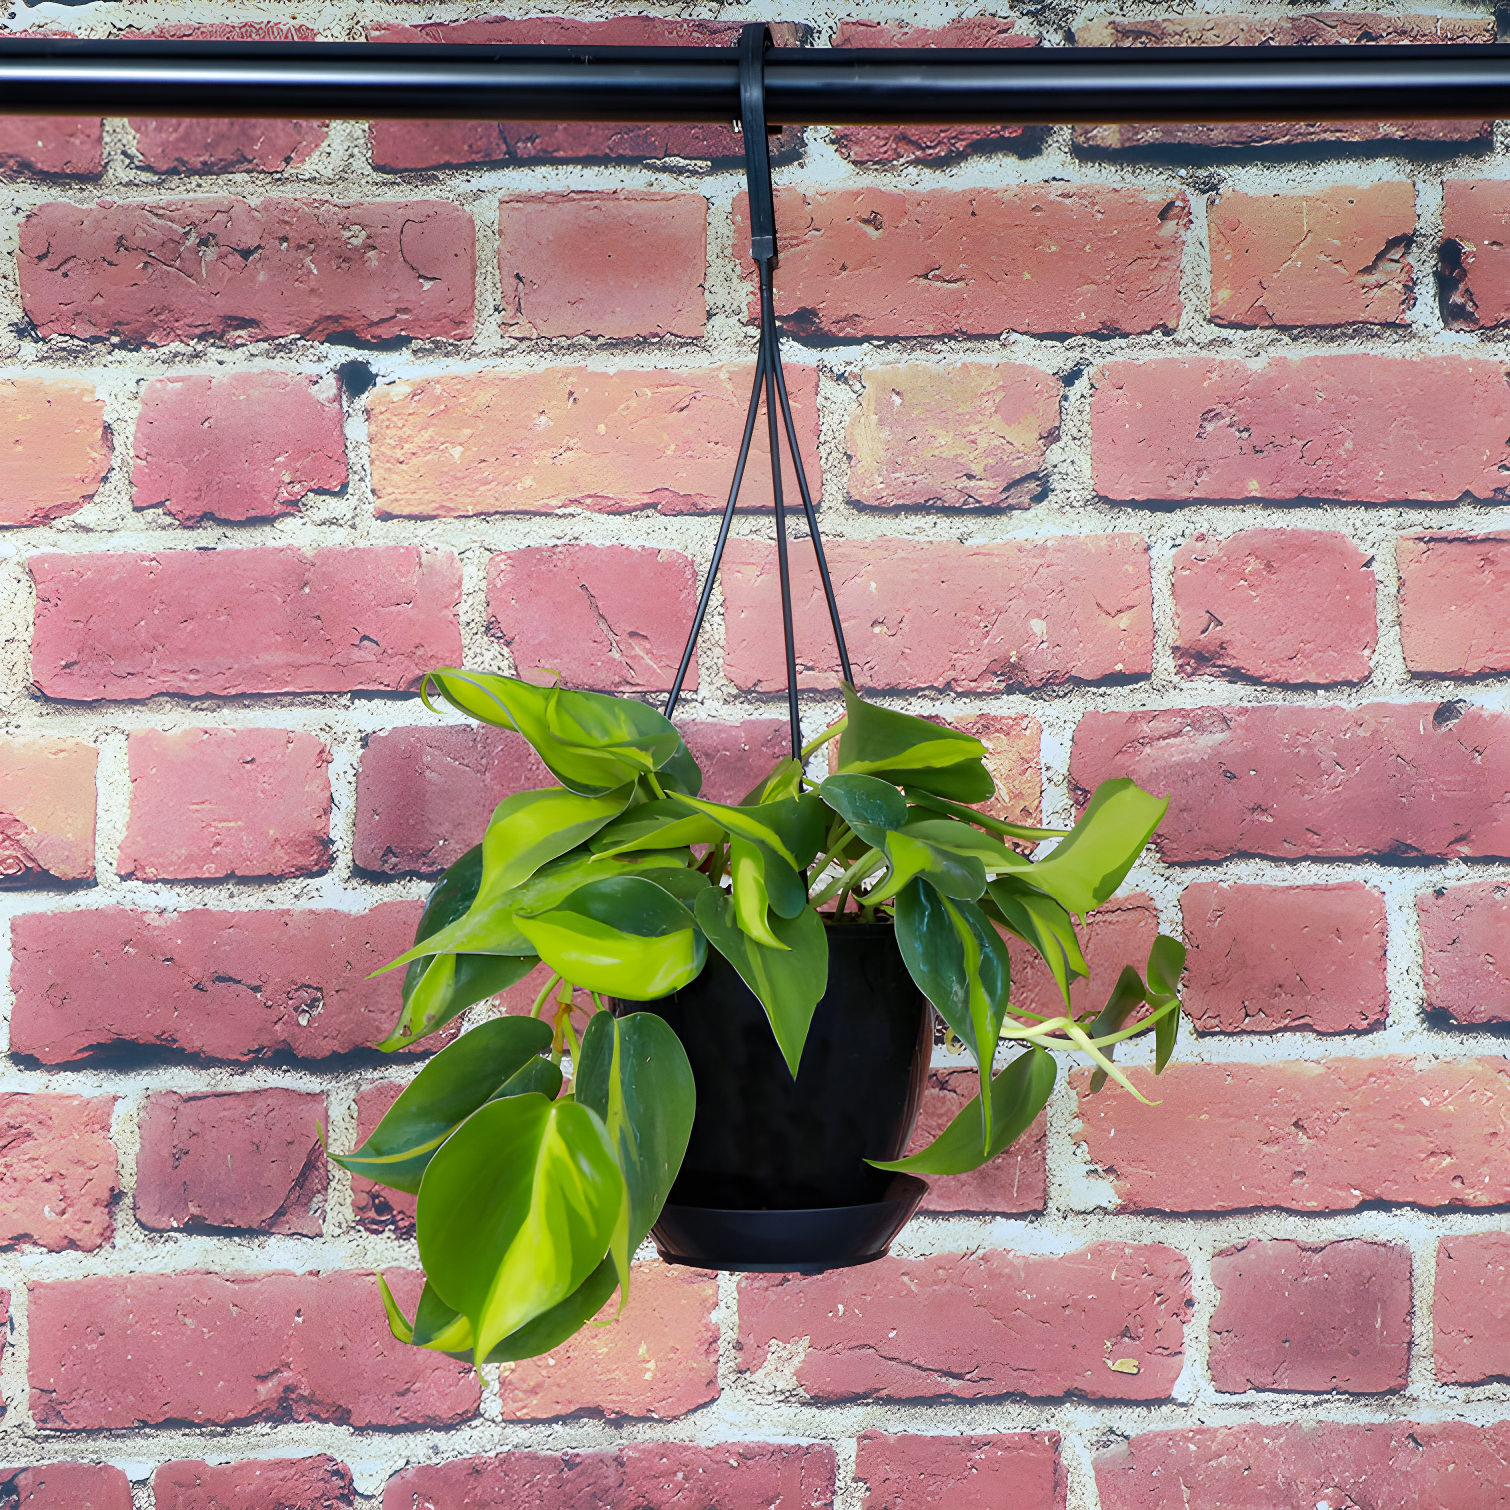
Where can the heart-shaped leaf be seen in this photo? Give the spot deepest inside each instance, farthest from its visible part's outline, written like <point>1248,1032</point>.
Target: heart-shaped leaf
<point>530,829</point>
<point>517,1208</point>
<point>877,741</point>
<point>663,824</point>
<point>869,805</point>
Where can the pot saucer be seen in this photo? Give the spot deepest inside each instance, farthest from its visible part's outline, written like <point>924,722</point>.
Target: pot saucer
<point>802,1241</point>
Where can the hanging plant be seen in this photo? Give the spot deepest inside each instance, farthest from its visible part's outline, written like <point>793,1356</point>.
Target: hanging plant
<point>535,1190</point>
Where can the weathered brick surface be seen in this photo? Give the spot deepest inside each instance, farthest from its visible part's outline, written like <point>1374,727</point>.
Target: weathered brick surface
<point>67,1486</point>
<point>1014,1183</point>
<point>47,810</point>
<point>1019,1468</point>
<point>47,144</point>
<point>1302,1466</point>
<point>1311,1316</point>
<point>659,1359</point>
<point>225,146</point>
<point>569,437</point>
<point>57,448</point>
<point>58,1178</point>
<point>978,618</point>
<point>226,802</point>
<point>249,445</point>
<point>1187,428</point>
<point>400,145</point>
<point>1267,958</point>
<point>1304,1136</point>
<point>1044,260</point>
<point>314,1483</point>
<point>1286,606</point>
<point>611,618</point>
<point>1475,271</point>
<point>1466,966</point>
<point>1455,604</point>
<point>651,1475</point>
<point>736,757</point>
<point>376,1207</point>
<point>974,1326</point>
<point>603,264</point>
<point>1331,257</point>
<point>225,985</point>
<point>1471,1308</point>
<point>138,272</point>
<point>930,144</point>
<point>250,1161</point>
<point>1014,759</point>
<point>265,619</point>
<point>1325,28</point>
<point>1401,780</point>
<point>967,436</point>
<point>200,1349</point>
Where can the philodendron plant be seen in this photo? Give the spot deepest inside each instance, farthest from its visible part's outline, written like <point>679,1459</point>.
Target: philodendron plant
<point>534,1192</point>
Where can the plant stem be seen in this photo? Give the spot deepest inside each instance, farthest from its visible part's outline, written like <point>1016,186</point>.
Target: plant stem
<point>550,986</point>
<point>851,877</point>
<point>655,785</point>
<point>834,846</point>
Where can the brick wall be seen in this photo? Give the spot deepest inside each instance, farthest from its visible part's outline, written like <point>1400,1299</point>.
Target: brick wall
<point>1179,453</point>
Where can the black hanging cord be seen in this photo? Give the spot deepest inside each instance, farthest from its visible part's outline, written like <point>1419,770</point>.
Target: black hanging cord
<point>768,374</point>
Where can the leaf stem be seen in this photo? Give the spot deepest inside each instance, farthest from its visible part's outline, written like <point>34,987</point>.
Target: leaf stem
<point>850,879</point>
<point>834,846</point>
<point>981,820</point>
<point>540,1000</point>
<point>655,785</point>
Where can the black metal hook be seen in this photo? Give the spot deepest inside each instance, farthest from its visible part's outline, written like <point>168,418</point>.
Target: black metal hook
<point>753,40</point>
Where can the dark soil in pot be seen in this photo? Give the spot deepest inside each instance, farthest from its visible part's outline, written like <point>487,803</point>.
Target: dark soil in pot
<point>761,1141</point>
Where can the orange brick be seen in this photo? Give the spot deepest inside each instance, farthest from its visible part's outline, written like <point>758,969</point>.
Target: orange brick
<point>47,802</point>
<point>54,448</point>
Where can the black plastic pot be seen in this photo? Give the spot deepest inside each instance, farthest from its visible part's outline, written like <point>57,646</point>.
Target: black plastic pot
<point>775,1175</point>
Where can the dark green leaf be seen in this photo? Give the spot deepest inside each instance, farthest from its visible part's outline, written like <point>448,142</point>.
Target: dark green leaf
<point>981,820</point>
<point>1042,923</point>
<point>969,781</point>
<point>624,937</point>
<point>550,1329</point>
<point>791,827</point>
<point>516,1209</point>
<point>789,980</point>
<point>869,805</point>
<point>1018,1094</point>
<point>955,875</point>
<point>1127,996</point>
<point>444,1094</point>
<point>1166,963</point>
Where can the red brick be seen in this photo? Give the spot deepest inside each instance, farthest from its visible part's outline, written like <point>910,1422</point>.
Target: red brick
<point>139,273</point>
<point>67,1486</point>
<point>314,1483</point>
<point>58,1178</point>
<point>226,985</point>
<point>613,618</point>
<point>57,448</point>
<point>1404,780</point>
<point>735,758</point>
<point>1019,1468</point>
<point>975,1326</point>
<point>225,146</point>
<point>1471,1310</point>
<point>376,1207</point>
<point>1267,958</point>
<point>1326,28</point>
<point>929,144</point>
<point>1013,1184</point>
<point>1474,270</point>
<point>969,436</point>
<point>1326,1136</point>
<point>567,437</point>
<point>1013,758</point>
<point>1467,968</point>
<point>603,264</point>
<point>223,1349</point>
<point>1330,257</point>
<point>249,445</point>
<point>226,802</point>
<point>402,145</point>
<point>229,622</point>
<point>1309,1465</point>
<point>969,618</point>
<point>250,1161</point>
<point>1184,428</point>
<point>1043,259</point>
<point>37,144</point>
<point>1287,606</point>
<point>1119,933</point>
<point>1455,604</point>
<point>47,805</point>
<point>659,1359</point>
<point>647,1475</point>
<point>1311,1316</point>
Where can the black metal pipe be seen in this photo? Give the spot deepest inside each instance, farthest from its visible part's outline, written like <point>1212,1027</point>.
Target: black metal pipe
<point>364,81</point>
